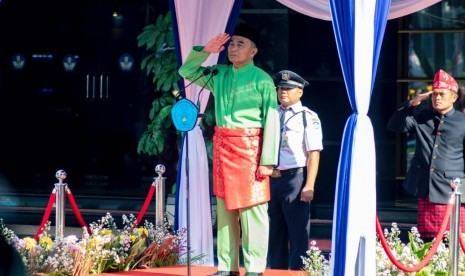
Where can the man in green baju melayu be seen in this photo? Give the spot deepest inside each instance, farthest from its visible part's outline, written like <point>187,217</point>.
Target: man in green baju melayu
<point>245,147</point>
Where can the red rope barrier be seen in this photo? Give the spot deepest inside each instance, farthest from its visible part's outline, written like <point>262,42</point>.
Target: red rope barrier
<point>76,211</point>
<point>145,206</point>
<point>46,216</point>
<point>428,256</point>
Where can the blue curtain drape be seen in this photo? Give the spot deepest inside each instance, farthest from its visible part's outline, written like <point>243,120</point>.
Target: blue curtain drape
<point>174,25</point>
<point>381,15</point>
<point>343,14</point>
<point>231,24</point>
<point>177,46</point>
<point>344,24</point>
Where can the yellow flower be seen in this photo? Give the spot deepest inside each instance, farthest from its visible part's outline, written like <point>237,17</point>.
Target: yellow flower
<point>46,242</point>
<point>133,238</point>
<point>30,243</point>
<point>106,232</point>
<point>142,231</point>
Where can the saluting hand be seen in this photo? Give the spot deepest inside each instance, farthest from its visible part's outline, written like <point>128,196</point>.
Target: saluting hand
<point>418,99</point>
<point>216,44</point>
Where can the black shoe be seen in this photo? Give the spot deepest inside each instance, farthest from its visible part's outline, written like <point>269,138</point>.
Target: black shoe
<point>253,274</point>
<point>225,273</point>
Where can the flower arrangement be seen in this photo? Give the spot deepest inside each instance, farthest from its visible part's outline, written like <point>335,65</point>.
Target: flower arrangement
<point>107,249</point>
<point>409,254</point>
<point>315,264</point>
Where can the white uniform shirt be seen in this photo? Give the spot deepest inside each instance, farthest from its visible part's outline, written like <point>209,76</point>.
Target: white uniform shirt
<point>296,140</point>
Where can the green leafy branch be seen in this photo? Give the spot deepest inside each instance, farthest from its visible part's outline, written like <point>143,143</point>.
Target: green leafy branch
<point>158,41</point>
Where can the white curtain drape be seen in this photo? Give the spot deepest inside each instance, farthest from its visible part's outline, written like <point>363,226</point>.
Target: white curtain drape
<point>361,234</point>
<point>320,8</point>
<point>198,21</point>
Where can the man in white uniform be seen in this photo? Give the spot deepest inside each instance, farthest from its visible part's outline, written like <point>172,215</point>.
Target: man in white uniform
<point>293,180</point>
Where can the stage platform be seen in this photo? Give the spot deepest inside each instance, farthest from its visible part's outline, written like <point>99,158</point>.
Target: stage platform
<point>196,271</point>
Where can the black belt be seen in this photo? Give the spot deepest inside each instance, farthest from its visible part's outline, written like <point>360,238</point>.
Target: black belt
<point>280,173</point>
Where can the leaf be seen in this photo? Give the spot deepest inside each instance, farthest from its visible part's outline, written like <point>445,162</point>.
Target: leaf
<point>160,62</point>
<point>158,141</point>
<point>170,100</point>
<point>142,143</point>
<point>146,36</point>
<point>166,86</point>
<point>135,252</point>
<point>167,19</point>
<point>421,252</point>
<point>164,113</point>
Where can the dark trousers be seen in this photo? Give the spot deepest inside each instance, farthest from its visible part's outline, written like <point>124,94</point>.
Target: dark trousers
<point>289,222</point>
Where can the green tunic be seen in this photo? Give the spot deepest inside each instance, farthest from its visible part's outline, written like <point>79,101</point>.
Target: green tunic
<point>244,98</point>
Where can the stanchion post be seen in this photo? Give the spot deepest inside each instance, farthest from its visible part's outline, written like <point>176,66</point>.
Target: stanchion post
<point>454,228</point>
<point>160,195</point>
<point>60,204</point>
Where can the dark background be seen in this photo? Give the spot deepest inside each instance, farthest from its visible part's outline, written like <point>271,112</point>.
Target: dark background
<point>49,122</point>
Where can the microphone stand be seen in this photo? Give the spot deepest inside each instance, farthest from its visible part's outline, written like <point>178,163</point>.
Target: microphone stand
<point>186,135</point>
<point>213,73</point>
<point>205,72</point>
<point>187,206</point>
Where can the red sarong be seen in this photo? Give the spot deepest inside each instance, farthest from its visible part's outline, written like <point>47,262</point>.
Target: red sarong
<point>430,217</point>
<point>236,157</point>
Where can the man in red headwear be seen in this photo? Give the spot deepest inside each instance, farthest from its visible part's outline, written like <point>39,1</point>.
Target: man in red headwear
<point>438,158</point>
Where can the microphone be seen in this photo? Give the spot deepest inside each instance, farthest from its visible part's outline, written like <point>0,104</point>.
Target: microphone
<point>178,95</point>
<point>214,73</point>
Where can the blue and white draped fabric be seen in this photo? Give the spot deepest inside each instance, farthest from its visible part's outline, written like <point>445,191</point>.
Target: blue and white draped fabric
<point>359,29</point>
<point>320,8</point>
<point>194,23</point>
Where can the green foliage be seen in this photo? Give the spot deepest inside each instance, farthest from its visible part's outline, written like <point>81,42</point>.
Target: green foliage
<point>160,61</point>
<point>418,249</point>
<point>160,127</point>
